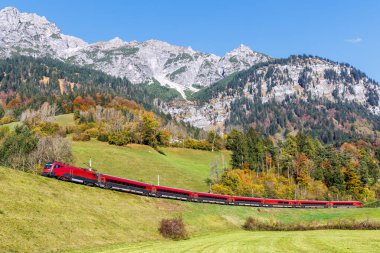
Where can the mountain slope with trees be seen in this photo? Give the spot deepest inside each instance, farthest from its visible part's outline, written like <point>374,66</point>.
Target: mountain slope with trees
<point>333,101</point>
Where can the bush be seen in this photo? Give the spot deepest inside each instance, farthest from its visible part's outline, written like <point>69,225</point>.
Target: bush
<point>4,131</point>
<point>173,229</point>
<point>81,137</point>
<point>7,120</point>
<point>93,132</point>
<point>254,224</point>
<point>160,151</point>
<point>197,144</point>
<point>119,138</point>
<point>47,128</point>
<point>103,137</point>
<point>16,148</point>
<point>69,129</point>
<point>52,149</point>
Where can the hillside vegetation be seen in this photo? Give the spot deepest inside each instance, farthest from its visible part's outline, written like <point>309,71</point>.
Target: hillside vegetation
<point>72,216</point>
<point>184,168</point>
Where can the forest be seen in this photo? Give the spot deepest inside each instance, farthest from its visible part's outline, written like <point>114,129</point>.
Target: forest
<point>298,167</point>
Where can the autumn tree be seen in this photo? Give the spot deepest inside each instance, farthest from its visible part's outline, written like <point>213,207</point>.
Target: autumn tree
<point>215,140</point>
<point>148,129</point>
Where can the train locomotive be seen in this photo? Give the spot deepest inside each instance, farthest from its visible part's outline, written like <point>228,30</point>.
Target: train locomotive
<point>88,177</point>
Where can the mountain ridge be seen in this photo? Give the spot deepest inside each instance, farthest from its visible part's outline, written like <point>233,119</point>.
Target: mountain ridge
<point>219,91</point>
<point>181,68</point>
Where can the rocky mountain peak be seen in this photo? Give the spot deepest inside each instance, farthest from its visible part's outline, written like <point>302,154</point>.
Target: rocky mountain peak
<point>117,41</point>
<point>241,50</point>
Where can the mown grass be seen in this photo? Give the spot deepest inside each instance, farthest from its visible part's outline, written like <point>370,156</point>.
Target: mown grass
<point>65,119</point>
<point>11,126</point>
<point>62,120</point>
<point>263,241</point>
<point>185,168</point>
<point>41,215</point>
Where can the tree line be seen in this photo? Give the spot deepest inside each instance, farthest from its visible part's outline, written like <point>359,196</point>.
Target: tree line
<point>299,167</point>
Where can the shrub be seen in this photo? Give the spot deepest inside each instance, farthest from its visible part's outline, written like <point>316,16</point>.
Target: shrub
<point>93,132</point>
<point>69,129</point>
<point>160,151</point>
<point>16,147</point>
<point>4,131</point>
<point>173,228</point>
<point>7,120</point>
<point>119,138</point>
<point>255,224</point>
<point>52,149</point>
<point>103,137</point>
<point>47,128</point>
<point>81,137</point>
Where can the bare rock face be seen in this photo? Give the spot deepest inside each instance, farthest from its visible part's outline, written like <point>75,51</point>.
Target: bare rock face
<point>30,34</point>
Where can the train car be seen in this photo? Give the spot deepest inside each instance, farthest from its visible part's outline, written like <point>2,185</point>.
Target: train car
<point>314,203</point>
<point>213,198</point>
<point>346,204</point>
<point>122,184</point>
<point>173,193</point>
<point>247,201</point>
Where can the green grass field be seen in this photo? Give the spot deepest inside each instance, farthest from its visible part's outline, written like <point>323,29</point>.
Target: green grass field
<point>63,120</point>
<point>178,168</point>
<point>246,242</point>
<point>39,214</point>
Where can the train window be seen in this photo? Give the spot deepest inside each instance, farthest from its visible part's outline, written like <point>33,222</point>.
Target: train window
<point>211,197</point>
<point>57,166</point>
<point>125,183</point>
<point>175,192</point>
<point>48,165</point>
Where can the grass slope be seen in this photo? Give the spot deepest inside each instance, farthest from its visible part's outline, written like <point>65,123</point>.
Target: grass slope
<point>243,241</point>
<point>39,214</point>
<point>183,168</point>
<point>62,120</point>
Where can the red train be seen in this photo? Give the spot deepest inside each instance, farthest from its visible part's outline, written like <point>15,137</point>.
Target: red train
<point>79,175</point>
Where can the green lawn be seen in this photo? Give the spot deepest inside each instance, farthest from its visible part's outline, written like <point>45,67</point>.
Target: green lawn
<point>185,168</point>
<point>63,120</point>
<point>242,241</point>
<point>39,214</point>
<point>12,125</point>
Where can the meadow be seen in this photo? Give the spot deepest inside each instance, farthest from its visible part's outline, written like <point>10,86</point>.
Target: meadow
<point>39,214</point>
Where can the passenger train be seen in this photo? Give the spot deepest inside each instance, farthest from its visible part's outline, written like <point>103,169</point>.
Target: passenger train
<point>91,178</point>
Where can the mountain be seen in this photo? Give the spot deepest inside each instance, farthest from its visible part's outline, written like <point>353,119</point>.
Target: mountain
<point>241,89</point>
<point>30,34</point>
<point>300,92</point>
<point>152,61</point>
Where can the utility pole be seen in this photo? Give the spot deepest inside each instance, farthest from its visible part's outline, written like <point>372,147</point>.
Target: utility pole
<point>158,180</point>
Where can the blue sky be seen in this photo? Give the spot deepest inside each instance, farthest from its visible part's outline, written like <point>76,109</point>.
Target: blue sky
<point>341,30</point>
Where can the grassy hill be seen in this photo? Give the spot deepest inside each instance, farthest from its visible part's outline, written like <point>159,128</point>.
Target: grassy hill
<point>183,168</point>
<point>40,215</point>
